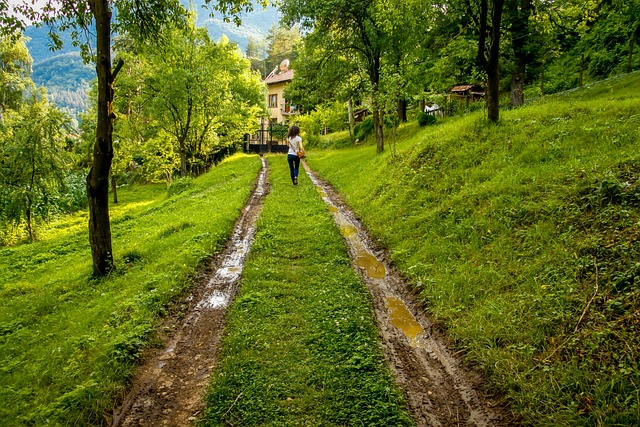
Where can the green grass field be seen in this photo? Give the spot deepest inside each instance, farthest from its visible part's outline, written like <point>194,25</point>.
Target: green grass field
<point>301,347</point>
<point>510,232</point>
<point>522,239</point>
<point>68,342</point>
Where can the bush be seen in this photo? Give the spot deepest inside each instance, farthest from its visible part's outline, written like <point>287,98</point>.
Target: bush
<point>425,119</point>
<point>279,131</point>
<point>180,185</point>
<point>364,128</point>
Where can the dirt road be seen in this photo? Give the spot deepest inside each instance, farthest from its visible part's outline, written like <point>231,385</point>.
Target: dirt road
<point>169,387</point>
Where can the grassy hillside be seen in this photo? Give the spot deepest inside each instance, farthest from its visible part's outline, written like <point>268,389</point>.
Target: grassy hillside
<point>68,342</point>
<point>523,239</point>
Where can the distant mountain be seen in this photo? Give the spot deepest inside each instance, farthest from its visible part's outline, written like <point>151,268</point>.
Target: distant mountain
<point>67,78</point>
<point>255,24</point>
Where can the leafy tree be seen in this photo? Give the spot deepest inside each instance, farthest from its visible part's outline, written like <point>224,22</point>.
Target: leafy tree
<point>281,44</point>
<point>33,160</point>
<point>15,71</point>
<point>255,52</point>
<point>203,94</point>
<point>139,18</point>
<point>354,29</point>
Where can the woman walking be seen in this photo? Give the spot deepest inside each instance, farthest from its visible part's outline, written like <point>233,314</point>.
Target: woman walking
<point>295,145</point>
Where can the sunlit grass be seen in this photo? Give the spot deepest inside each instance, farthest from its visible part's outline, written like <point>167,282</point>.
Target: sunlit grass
<point>68,342</point>
<point>505,230</point>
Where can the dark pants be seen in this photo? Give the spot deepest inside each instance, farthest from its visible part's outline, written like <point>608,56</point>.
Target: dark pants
<point>294,165</point>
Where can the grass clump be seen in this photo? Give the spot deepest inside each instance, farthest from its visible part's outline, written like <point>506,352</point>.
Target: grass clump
<point>301,347</point>
<point>68,342</point>
<point>523,239</point>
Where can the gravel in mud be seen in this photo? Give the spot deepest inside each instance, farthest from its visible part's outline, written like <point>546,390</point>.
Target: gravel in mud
<point>169,387</point>
<point>439,389</point>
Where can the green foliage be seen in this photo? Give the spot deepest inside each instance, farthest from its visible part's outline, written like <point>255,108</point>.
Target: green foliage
<point>15,70</point>
<point>363,129</point>
<point>180,185</point>
<point>522,240</point>
<point>68,342</point>
<point>301,346</point>
<point>279,131</point>
<point>328,117</point>
<point>425,119</point>
<point>33,162</point>
<point>203,101</point>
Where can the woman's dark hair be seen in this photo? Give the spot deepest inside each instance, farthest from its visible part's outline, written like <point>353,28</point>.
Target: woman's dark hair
<point>293,131</point>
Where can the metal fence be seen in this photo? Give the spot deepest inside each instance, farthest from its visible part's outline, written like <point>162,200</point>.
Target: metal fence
<point>264,141</point>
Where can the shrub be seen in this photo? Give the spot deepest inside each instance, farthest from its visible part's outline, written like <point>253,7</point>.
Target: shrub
<point>180,185</point>
<point>279,131</point>
<point>364,128</point>
<point>425,119</point>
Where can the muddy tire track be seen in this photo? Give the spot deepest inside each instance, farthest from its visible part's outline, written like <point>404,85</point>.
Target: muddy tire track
<point>439,389</point>
<point>168,388</point>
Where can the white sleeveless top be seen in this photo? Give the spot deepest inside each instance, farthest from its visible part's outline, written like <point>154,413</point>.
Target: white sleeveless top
<point>294,143</point>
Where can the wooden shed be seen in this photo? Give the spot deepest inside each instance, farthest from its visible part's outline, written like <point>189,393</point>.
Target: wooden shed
<point>467,93</point>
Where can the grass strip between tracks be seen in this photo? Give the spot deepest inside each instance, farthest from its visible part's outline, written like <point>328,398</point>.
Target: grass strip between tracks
<point>301,347</point>
<point>68,342</point>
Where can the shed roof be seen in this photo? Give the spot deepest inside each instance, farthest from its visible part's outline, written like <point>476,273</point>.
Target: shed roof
<point>285,76</point>
<point>462,88</point>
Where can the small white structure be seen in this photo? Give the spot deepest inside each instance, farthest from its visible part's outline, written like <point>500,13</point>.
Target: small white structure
<point>434,110</point>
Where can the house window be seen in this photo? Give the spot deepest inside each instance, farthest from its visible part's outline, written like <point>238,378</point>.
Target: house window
<point>273,100</point>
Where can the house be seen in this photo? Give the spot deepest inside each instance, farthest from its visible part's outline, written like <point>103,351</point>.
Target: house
<point>279,107</point>
<point>268,138</point>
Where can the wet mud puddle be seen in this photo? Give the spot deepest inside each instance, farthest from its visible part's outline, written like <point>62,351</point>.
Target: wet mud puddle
<point>439,390</point>
<point>168,389</point>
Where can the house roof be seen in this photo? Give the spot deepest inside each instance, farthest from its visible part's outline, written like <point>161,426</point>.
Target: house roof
<point>285,76</point>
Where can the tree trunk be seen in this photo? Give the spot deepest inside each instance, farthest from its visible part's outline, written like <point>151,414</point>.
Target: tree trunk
<point>30,224</point>
<point>519,13</point>
<point>517,83</point>
<point>183,157</point>
<point>378,117</point>
<point>98,178</point>
<point>114,189</point>
<point>491,64</point>
<point>581,68</point>
<point>352,122</point>
<point>630,62</point>
<point>377,126</point>
<point>402,110</point>
<point>2,106</point>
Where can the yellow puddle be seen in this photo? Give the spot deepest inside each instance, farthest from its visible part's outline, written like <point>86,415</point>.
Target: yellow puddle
<point>333,208</point>
<point>374,268</point>
<point>321,191</point>
<point>348,231</point>
<point>401,318</point>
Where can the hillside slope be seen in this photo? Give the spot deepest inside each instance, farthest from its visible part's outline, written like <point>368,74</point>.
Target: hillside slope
<point>523,239</point>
